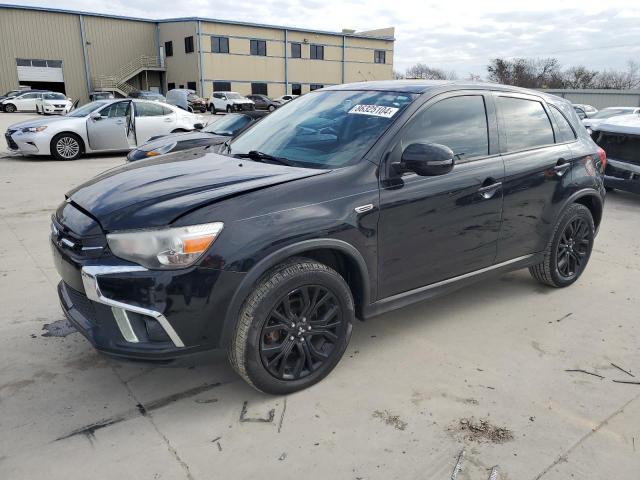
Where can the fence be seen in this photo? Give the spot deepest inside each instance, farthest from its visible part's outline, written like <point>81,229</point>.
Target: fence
<point>600,98</point>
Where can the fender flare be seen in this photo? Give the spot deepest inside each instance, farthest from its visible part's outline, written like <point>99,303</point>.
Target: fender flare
<point>273,259</point>
<point>585,192</point>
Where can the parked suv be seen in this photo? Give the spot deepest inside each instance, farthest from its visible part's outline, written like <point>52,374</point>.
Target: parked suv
<point>351,201</point>
<point>229,102</point>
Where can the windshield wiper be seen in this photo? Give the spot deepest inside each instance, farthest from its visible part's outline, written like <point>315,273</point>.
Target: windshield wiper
<point>261,157</point>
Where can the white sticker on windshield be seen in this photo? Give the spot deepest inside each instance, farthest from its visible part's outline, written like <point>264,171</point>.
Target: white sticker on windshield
<point>374,110</point>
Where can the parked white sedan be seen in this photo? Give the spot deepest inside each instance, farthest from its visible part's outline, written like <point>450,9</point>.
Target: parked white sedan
<point>52,102</point>
<point>100,126</point>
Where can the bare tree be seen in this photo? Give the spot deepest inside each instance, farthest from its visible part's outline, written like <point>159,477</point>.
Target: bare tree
<point>619,80</point>
<point>526,72</point>
<point>397,75</point>
<point>424,72</point>
<point>579,77</point>
<point>472,77</point>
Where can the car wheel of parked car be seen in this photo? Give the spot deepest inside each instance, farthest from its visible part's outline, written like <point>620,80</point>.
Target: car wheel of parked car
<point>568,252</point>
<point>609,189</point>
<point>66,146</point>
<point>9,108</point>
<point>212,109</point>
<point>38,110</point>
<point>271,108</point>
<point>228,108</point>
<point>293,328</point>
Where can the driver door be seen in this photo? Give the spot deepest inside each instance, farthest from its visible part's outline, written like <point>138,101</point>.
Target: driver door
<point>434,228</point>
<point>113,130</point>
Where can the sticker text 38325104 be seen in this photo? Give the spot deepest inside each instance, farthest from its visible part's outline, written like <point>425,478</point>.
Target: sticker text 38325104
<point>374,110</point>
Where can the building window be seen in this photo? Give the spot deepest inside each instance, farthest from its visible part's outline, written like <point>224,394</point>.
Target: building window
<point>380,56</point>
<point>317,52</point>
<point>220,44</point>
<point>296,50</point>
<point>221,86</point>
<point>188,44</point>
<point>168,49</point>
<point>191,85</point>
<point>259,47</point>
<point>315,86</point>
<point>296,89</point>
<point>259,88</point>
<point>171,85</point>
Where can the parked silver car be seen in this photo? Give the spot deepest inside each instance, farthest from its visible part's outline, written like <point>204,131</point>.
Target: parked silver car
<point>100,126</point>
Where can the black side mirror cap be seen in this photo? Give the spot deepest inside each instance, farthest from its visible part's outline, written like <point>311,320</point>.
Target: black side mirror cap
<point>428,159</point>
<point>198,126</point>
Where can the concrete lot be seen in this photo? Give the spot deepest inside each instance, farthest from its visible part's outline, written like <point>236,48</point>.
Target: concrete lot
<point>392,409</point>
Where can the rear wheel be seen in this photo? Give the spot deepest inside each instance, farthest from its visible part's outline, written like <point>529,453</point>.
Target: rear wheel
<point>271,108</point>
<point>293,328</point>
<point>569,250</point>
<point>66,146</point>
<point>9,108</point>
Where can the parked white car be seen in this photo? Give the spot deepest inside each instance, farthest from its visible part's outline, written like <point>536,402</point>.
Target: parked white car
<point>100,126</point>
<point>22,102</point>
<point>605,114</point>
<point>229,102</point>
<point>285,98</point>
<point>53,102</point>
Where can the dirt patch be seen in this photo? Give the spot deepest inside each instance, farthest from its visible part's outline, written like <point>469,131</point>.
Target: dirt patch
<point>61,328</point>
<point>394,420</point>
<point>482,431</point>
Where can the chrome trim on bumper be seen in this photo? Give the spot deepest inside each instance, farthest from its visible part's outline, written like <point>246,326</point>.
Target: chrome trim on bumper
<point>90,279</point>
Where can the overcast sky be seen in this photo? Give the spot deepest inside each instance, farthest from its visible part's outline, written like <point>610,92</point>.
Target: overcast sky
<point>453,35</point>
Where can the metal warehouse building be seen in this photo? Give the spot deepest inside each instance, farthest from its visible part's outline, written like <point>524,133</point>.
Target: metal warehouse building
<point>79,52</point>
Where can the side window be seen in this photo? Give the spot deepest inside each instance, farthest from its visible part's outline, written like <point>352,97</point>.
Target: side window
<point>145,109</point>
<point>166,111</point>
<point>565,132</point>
<point>525,122</point>
<point>460,123</point>
<point>115,110</point>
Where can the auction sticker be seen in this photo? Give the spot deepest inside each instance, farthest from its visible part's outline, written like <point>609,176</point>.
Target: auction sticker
<point>374,110</point>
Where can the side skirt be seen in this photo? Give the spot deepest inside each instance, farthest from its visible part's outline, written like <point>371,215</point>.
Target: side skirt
<point>446,286</point>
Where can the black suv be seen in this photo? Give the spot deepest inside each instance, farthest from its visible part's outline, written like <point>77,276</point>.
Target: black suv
<point>349,202</point>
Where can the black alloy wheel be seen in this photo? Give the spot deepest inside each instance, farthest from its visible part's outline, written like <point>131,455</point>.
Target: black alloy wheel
<point>301,332</point>
<point>574,248</point>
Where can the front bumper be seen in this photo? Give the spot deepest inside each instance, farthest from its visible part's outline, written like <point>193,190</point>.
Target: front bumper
<point>28,143</point>
<point>128,311</point>
<point>622,176</point>
<point>55,109</point>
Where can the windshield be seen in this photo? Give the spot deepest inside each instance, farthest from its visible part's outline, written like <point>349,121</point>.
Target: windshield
<point>324,129</point>
<point>86,109</point>
<point>612,112</point>
<point>12,93</point>
<point>228,125</point>
<point>54,96</point>
<point>234,96</point>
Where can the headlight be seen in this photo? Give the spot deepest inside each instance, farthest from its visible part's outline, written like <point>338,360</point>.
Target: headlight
<point>34,129</point>
<point>160,150</point>
<point>164,248</point>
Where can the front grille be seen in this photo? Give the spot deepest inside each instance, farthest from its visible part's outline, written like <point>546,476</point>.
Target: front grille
<point>621,147</point>
<point>79,247</point>
<point>81,303</point>
<point>10,143</point>
<point>59,106</point>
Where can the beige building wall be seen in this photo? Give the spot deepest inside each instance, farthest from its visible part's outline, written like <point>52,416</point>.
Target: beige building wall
<point>44,36</point>
<point>181,67</point>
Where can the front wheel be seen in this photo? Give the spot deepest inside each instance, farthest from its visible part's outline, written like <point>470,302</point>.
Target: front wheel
<point>271,108</point>
<point>228,108</point>
<point>66,146</point>
<point>10,108</point>
<point>293,328</point>
<point>569,250</point>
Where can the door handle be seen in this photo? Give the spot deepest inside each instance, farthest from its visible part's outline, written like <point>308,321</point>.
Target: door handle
<point>489,191</point>
<point>561,167</point>
<point>120,122</point>
<point>168,120</point>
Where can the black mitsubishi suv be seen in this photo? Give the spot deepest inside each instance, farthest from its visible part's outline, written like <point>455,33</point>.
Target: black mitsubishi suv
<point>349,202</point>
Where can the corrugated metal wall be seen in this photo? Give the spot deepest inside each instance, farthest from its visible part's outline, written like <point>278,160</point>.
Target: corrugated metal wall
<point>37,35</point>
<point>601,98</point>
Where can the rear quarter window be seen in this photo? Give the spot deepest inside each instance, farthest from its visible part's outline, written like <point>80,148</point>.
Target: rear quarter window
<point>525,123</point>
<point>565,132</point>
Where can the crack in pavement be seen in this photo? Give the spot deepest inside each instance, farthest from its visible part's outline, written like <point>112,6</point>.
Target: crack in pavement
<point>566,453</point>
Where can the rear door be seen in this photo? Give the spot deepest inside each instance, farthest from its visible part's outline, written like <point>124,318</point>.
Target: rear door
<point>436,228</point>
<point>152,119</point>
<point>112,130</point>
<point>537,174</point>
<point>26,102</point>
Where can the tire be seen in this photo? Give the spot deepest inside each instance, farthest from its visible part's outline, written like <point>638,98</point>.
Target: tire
<point>38,111</point>
<point>228,108</point>
<point>271,108</point>
<point>203,109</point>
<point>10,108</point>
<point>263,327</point>
<point>609,189</point>
<point>567,247</point>
<point>66,146</point>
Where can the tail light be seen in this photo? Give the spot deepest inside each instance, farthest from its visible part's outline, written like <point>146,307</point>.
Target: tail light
<point>603,158</point>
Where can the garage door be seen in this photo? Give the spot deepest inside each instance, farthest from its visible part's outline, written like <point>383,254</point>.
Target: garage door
<point>39,70</point>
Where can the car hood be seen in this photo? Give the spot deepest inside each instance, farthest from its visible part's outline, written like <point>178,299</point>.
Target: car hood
<point>42,121</point>
<point>629,124</point>
<point>155,192</point>
<point>240,100</point>
<point>181,137</point>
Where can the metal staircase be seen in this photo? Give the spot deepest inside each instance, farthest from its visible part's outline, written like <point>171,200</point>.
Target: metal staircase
<point>118,82</point>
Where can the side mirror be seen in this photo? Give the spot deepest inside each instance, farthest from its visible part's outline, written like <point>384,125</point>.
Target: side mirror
<point>198,126</point>
<point>427,159</point>
<point>95,116</point>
